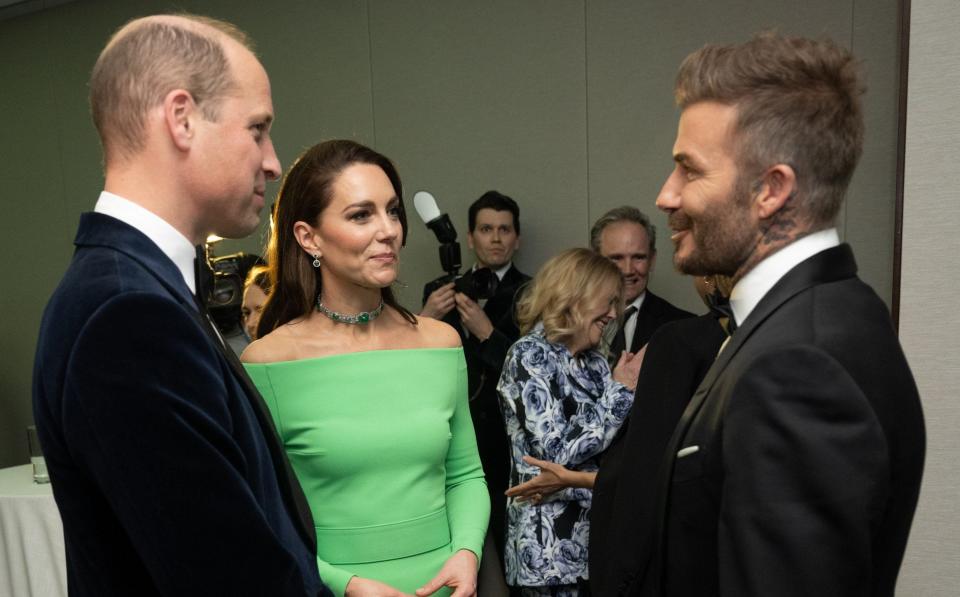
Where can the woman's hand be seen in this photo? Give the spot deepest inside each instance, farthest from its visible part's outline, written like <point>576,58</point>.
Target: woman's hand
<point>628,367</point>
<point>459,573</point>
<point>367,587</point>
<point>552,478</point>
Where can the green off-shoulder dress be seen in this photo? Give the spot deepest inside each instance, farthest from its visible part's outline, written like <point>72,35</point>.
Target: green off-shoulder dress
<point>383,445</point>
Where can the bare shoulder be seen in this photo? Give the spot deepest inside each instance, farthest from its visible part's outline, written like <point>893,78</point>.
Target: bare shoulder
<point>276,346</point>
<point>437,334</point>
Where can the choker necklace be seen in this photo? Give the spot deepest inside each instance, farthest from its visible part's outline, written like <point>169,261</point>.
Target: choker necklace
<point>360,318</point>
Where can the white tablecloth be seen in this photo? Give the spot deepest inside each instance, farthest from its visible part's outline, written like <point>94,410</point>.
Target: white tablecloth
<point>32,561</point>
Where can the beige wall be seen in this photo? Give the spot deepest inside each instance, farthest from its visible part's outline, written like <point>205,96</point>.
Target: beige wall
<point>563,104</point>
<point>929,325</point>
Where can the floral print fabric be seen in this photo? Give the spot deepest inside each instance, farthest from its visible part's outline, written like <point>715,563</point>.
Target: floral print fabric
<point>565,409</point>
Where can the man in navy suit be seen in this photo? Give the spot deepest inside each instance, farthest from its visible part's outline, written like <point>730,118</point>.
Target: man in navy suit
<point>796,466</point>
<point>167,473</point>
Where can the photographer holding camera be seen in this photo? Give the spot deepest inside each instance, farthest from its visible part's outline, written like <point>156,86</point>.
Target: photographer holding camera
<point>488,327</point>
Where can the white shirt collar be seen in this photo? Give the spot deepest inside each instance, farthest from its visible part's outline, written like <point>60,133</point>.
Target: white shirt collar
<point>637,302</point>
<point>757,283</point>
<point>169,240</point>
<point>500,272</point>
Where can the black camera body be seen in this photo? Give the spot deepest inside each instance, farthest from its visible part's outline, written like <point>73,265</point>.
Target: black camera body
<point>225,298</point>
<point>477,284</point>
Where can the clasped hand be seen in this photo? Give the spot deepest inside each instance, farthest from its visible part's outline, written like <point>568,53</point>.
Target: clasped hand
<point>459,573</point>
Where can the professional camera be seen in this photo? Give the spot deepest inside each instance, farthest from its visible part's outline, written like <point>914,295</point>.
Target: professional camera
<point>477,284</point>
<point>226,296</point>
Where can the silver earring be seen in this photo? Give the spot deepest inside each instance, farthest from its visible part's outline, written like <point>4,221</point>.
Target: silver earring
<point>316,260</point>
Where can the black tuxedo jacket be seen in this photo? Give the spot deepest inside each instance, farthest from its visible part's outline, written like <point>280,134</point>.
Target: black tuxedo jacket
<point>654,312</point>
<point>624,493</point>
<point>796,466</point>
<point>162,467</point>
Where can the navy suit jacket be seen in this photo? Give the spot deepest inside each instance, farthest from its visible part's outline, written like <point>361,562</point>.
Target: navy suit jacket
<point>795,468</point>
<point>160,465</point>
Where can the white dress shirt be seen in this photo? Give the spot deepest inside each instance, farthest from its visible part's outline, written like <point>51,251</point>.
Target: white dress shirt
<point>167,238</point>
<point>757,283</point>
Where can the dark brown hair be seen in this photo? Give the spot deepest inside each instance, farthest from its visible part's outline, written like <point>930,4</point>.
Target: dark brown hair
<point>305,193</point>
<point>798,103</point>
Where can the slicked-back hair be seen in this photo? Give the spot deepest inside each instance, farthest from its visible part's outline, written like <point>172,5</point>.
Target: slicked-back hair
<point>624,213</point>
<point>305,193</point>
<point>143,62</point>
<point>798,102</point>
<point>557,295</point>
<point>496,201</point>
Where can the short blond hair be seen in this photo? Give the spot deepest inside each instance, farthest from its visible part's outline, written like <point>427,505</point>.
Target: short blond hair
<point>145,60</point>
<point>557,294</point>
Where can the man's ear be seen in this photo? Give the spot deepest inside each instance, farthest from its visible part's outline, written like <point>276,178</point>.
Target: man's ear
<point>652,260</point>
<point>470,239</point>
<point>179,114</point>
<point>777,186</point>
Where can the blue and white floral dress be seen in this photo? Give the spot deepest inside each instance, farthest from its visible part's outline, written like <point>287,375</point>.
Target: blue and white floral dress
<point>565,409</point>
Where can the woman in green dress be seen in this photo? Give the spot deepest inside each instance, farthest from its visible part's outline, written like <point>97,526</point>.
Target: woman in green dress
<point>370,401</point>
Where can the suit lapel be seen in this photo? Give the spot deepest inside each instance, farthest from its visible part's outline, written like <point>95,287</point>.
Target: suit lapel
<point>830,265</point>
<point>292,492</point>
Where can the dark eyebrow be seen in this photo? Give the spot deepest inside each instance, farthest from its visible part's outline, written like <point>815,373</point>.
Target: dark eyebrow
<point>368,204</point>
<point>685,160</point>
<point>265,118</point>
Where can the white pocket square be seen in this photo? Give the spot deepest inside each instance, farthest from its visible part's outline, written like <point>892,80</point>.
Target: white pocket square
<point>688,451</point>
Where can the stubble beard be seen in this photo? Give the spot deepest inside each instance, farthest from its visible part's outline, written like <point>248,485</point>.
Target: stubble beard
<point>723,238</point>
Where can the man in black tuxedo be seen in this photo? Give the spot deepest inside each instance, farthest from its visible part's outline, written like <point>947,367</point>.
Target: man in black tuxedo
<point>796,466</point>
<point>166,468</point>
<point>488,329</point>
<point>625,236</point>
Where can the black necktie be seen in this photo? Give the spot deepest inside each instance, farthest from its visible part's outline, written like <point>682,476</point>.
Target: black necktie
<point>619,343</point>
<point>293,494</point>
<point>721,309</point>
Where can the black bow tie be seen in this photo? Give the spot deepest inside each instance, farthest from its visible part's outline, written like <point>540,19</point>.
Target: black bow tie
<point>203,277</point>
<point>721,309</point>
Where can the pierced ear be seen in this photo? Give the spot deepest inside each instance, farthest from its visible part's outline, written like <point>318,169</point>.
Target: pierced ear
<point>777,186</point>
<point>179,111</point>
<point>307,238</point>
